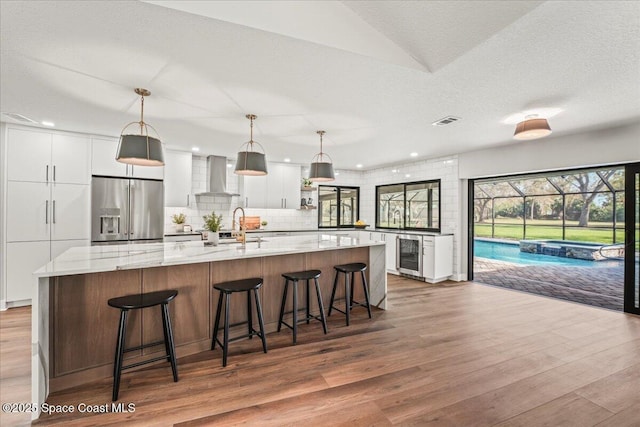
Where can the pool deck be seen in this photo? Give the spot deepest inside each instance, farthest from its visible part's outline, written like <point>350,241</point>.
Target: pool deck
<point>600,287</point>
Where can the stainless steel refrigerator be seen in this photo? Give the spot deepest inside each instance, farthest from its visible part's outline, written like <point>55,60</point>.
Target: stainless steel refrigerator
<point>126,210</point>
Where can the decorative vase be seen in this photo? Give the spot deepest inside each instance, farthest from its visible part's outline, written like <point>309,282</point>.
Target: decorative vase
<point>213,237</point>
<point>179,228</point>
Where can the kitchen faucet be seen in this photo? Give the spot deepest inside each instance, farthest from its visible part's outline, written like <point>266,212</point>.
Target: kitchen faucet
<point>242,227</point>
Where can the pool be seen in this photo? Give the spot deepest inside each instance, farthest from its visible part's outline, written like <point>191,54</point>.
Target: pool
<point>510,252</point>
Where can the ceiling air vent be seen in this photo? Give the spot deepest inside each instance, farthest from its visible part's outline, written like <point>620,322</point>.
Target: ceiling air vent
<point>446,121</point>
<point>19,117</point>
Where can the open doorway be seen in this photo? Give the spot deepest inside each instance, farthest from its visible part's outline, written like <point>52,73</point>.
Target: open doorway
<point>557,234</point>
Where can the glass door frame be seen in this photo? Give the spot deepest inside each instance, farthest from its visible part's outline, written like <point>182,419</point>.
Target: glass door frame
<point>631,208</point>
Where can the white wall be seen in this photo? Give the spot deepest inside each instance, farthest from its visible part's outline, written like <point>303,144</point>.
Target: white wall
<point>3,225</point>
<point>619,144</point>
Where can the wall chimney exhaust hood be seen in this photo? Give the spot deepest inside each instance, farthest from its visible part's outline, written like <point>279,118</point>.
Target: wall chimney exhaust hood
<point>217,177</point>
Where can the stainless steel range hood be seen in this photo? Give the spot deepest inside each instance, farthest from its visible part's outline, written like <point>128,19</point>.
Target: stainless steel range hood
<point>217,177</point>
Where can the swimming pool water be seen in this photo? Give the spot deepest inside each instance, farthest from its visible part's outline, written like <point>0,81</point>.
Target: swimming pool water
<point>511,253</point>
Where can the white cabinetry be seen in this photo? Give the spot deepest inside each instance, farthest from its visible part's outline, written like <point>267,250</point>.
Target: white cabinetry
<point>280,189</point>
<point>103,162</point>
<point>39,156</point>
<point>438,258</point>
<point>390,248</point>
<point>177,182</point>
<point>47,202</point>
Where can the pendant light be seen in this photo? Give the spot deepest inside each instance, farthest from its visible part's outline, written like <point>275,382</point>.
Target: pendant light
<point>250,162</point>
<point>532,127</point>
<point>140,149</point>
<point>321,170</point>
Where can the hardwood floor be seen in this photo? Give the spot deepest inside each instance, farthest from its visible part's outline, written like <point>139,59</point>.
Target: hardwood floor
<point>454,354</point>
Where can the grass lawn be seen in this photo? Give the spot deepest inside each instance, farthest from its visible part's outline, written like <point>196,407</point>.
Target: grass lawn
<point>540,231</point>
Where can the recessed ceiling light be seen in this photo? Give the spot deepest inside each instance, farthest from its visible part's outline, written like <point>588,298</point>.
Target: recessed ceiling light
<point>287,160</point>
<point>336,173</point>
<point>46,123</point>
<point>229,165</point>
<point>407,175</point>
<point>359,165</point>
<point>195,149</point>
<point>414,154</point>
<point>394,170</point>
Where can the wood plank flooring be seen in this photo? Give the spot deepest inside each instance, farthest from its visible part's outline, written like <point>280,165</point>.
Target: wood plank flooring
<point>453,354</point>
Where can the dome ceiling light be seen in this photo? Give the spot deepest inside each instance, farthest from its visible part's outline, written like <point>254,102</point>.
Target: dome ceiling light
<point>140,149</point>
<point>250,162</point>
<point>321,170</point>
<point>532,127</point>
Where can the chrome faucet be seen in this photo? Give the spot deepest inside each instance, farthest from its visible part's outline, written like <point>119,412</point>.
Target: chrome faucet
<point>242,226</point>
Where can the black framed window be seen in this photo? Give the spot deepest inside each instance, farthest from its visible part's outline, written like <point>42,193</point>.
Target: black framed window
<point>409,206</point>
<point>338,206</point>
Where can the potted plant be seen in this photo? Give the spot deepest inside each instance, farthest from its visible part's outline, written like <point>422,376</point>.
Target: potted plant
<point>306,183</point>
<point>179,220</point>
<point>264,224</point>
<point>212,224</point>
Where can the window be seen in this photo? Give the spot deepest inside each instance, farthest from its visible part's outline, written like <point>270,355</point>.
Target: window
<point>338,206</point>
<point>414,205</point>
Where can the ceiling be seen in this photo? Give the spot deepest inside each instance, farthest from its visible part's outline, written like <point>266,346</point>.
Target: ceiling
<point>373,74</point>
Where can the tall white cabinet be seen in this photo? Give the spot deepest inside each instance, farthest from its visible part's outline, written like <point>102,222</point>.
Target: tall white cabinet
<point>47,202</point>
<point>177,178</point>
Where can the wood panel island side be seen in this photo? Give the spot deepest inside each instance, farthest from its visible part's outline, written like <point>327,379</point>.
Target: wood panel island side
<point>74,330</point>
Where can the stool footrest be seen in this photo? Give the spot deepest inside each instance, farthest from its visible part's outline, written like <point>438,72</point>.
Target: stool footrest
<point>155,359</point>
<point>140,347</point>
<point>254,333</point>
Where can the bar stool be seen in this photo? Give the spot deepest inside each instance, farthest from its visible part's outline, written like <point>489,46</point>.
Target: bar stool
<point>347,269</point>
<point>226,289</point>
<point>295,277</point>
<point>135,302</point>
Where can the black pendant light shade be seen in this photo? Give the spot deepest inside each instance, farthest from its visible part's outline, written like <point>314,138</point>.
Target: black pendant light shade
<point>140,149</point>
<point>321,170</point>
<point>250,162</point>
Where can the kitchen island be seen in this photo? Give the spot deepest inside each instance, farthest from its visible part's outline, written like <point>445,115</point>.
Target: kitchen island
<point>74,330</point>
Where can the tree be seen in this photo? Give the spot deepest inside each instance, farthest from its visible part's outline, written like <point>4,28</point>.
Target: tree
<point>583,182</point>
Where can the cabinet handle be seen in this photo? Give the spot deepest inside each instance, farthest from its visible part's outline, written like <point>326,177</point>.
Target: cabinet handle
<point>54,207</point>
<point>187,200</point>
<point>285,203</point>
<point>54,179</point>
<point>47,173</point>
<point>46,212</point>
<point>246,202</point>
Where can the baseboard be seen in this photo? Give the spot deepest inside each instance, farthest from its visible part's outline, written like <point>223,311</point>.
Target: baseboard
<point>459,277</point>
<point>3,305</point>
<point>21,303</point>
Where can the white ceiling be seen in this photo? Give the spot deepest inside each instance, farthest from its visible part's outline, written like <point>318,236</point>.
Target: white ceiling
<point>373,74</point>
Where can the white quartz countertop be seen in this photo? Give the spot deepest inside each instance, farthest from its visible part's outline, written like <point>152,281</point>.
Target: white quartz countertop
<point>94,259</point>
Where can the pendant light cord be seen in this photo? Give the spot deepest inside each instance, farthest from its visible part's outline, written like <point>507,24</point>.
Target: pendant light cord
<point>141,114</point>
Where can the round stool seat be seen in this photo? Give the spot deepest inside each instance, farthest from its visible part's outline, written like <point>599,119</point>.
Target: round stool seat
<point>351,268</point>
<point>239,285</point>
<point>149,299</point>
<point>302,275</point>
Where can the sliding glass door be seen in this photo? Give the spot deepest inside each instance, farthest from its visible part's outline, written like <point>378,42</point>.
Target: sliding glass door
<point>632,227</point>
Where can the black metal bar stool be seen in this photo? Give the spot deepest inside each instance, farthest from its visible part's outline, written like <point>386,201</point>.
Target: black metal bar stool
<point>350,269</point>
<point>295,277</point>
<point>226,289</point>
<point>135,302</point>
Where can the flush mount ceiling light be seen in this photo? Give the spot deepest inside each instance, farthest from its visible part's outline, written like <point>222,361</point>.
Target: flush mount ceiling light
<point>250,162</point>
<point>321,170</point>
<point>532,127</point>
<point>140,149</point>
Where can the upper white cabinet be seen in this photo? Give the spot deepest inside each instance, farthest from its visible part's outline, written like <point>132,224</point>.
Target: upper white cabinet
<point>103,162</point>
<point>41,156</point>
<point>177,178</point>
<point>280,189</point>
